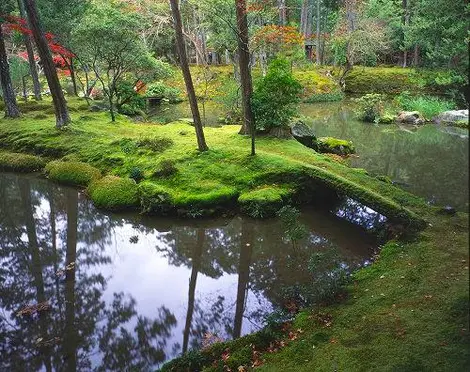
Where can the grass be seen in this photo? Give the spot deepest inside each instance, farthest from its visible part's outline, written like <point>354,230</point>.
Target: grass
<point>428,106</point>
<point>198,180</point>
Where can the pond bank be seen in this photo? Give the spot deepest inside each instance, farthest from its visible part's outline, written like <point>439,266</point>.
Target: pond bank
<point>176,178</point>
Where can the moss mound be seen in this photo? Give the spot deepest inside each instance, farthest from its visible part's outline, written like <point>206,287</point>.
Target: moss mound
<point>336,146</point>
<point>72,173</point>
<point>15,162</point>
<point>155,199</point>
<point>264,202</point>
<point>378,80</point>
<point>114,193</point>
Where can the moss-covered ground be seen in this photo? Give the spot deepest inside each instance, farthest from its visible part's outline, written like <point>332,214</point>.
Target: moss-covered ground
<point>197,181</point>
<point>406,312</point>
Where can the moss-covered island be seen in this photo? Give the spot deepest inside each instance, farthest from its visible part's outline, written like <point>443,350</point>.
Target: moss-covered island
<point>407,311</point>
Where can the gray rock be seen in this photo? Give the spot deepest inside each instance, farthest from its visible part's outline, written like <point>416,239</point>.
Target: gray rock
<point>410,117</point>
<point>302,133</point>
<point>451,117</point>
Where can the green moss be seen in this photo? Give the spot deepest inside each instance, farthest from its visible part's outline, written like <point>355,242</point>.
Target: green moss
<point>460,124</point>
<point>114,193</point>
<point>335,146</point>
<point>16,162</point>
<point>265,201</point>
<point>72,173</point>
<point>155,199</point>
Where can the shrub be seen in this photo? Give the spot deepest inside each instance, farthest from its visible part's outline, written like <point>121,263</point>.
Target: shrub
<point>161,91</point>
<point>129,102</point>
<point>264,202</point>
<point>72,173</point>
<point>136,174</point>
<point>428,106</point>
<point>275,97</point>
<point>370,107</point>
<point>15,162</point>
<point>114,193</point>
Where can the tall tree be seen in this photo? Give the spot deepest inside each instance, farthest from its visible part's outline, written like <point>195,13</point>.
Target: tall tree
<point>245,72</point>
<point>11,107</point>
<point>31,60</point>
<point>201,141</point>
<point>60,105</point>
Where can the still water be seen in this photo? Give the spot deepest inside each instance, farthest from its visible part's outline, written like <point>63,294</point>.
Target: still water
<point>86,290</point>
<point>430,161</point>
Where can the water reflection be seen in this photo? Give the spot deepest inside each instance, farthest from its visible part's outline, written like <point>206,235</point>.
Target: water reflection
<point>83,290</point>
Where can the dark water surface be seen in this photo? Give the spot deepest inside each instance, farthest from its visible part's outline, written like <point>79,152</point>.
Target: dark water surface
<point>83,290</point>
<point>430,161</point>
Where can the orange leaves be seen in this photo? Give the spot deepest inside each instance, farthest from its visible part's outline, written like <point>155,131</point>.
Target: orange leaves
<point>275,35</point>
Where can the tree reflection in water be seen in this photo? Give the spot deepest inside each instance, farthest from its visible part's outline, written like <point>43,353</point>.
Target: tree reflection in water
<point>115,303</point>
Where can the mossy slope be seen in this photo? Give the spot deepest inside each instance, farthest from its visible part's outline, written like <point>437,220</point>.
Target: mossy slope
<point>200,180</point>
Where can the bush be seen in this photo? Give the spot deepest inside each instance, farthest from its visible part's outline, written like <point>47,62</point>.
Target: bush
<point>14,162</point>
<point>161,91</point>
<point>428,106</point>
<point>72,173</point>
<point>136,174</point>
<point>114,193</point>
<point>129,102</point>
<point>275,97</point>
<point>264,202</point>
<point>370,107</point>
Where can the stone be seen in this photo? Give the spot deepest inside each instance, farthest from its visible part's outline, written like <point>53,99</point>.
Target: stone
<point>451,117</point>
<point>336,146</point>
<point>410,117</point>
<point>302,133</point>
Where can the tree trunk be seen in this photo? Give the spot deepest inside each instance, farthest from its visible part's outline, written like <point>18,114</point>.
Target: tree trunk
<point>31,60</point>
<point>70,332</point>
<point>60,105</point>
<point>282,12</point>
<point>11,107</point>
<point>72,76</point>
<point>246,251</point>
<point>245,72</point>
<point>406,18</point>
<point>317,41</point>
<point>196,266</point>
<point>201,141</point>
<point>416,56</point>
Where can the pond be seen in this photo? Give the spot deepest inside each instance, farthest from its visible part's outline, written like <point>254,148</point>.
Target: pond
<point>87,290</point>
<point>430,161</point>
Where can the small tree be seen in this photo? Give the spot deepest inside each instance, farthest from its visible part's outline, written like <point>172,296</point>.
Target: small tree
<point>275,99</point>
<point>108,41</point>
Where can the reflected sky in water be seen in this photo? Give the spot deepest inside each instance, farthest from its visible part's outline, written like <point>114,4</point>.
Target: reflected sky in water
<point>86,290</point>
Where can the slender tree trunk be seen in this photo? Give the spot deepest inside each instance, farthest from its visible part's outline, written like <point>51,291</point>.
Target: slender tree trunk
<point>71,67</point>
<point>201,141</point>
<point>70,332</point>
<point>196,266</point>
<point>11,107</point>
<point>246,251</point>
<point>31,60</point>
<point>36,264</point>
<point>245,72</point>
<point>282,12</point>
<point>406,18</point>
<point>416,55</point>
<point>317,41</point>
<point>60,105</point>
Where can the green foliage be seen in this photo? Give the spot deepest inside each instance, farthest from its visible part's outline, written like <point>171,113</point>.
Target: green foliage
<point>128,101</point>
<point>155,199</point>
<point>14,162</point>
<point>162,91</point>
<point>428,106</point>
<point>72,173</point>
<point>136,174</point>
<point>114,193</point>
<point>275,97</point>
<point>155,144</point>
<point>370,107</point>
<point>264,202</point>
